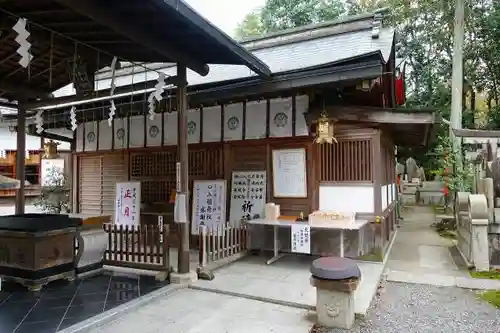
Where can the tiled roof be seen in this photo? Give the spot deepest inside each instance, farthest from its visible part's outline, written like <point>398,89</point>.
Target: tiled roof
<point>297,49</point>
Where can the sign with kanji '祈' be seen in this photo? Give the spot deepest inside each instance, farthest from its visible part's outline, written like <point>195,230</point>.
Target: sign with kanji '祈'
<point>209,204</point>
<point>128,203</point>
<point>248,196</point>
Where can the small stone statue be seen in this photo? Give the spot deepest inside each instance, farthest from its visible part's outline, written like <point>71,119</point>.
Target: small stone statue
<point>411,168</point>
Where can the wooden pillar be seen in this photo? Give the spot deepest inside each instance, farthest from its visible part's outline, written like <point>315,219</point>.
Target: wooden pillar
<point>182,154</point>
<point>20,159</point>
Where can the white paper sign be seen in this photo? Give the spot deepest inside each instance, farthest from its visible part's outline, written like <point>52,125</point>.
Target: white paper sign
<point>160,227</point>
<point>128,203</point>
<point>209,204</point>
<point>289,173</point>
<point>248,195</point>
<point>52,172</point>
<point>301,238</point>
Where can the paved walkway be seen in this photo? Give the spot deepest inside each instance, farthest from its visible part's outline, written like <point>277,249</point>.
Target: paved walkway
<point>419,255</point>
<point>287,281</point>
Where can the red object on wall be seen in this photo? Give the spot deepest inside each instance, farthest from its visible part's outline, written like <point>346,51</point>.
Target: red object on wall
<point>400,88</point>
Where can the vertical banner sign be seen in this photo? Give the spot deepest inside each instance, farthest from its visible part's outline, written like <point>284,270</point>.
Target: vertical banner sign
<point>209,204</point>
<point>248,196</point>
<point>301,238</point>
<point>128,203</point>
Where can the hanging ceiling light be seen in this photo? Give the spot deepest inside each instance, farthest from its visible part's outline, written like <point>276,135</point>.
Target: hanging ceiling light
<point>50,150</point>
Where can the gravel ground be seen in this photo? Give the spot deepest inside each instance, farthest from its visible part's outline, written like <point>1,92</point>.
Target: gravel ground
<point>415,308</point>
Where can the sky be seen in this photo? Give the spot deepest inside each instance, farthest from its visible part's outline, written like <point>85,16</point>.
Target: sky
<point>225,14</point>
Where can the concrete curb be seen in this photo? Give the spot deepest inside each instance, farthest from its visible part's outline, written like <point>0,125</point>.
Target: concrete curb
<point>104,318</point>
<point>443,280</point>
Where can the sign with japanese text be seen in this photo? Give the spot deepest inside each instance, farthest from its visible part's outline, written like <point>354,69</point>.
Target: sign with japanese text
<point>248,196</point>
<point>128,203</point>
<point>209,204</point>
<point>301,238</point>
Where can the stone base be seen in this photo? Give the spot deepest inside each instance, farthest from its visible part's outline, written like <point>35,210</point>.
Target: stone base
<point>205,274</point>
<point>335,309</point>
<point>187,278</point>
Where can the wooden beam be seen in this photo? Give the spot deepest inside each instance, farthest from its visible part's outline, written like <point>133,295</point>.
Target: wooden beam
<point>474,133</point>
<point>101,93</point>
<point>21,90</point>
<point>98,12</point>
<point>374,115</point>
<point>47,135</point>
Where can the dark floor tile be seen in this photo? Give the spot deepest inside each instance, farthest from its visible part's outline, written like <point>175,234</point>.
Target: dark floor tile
<point>62,293</point>
<point>81,299</point>
<point>72,321</point>
<point>123,295</point>
<point>123,284</point>
<point>38,327</point>
<point>24,297</point>
<point>112,305</point>
<point>44,314</point>
<point>12,315</point>
<point>54,302</point>
<point>86,310</point>
<point>94,286</point>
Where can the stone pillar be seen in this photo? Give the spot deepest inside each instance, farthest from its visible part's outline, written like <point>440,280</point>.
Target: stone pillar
<point>478,214</point>
<point>489,192</point>
<point>335,280</point>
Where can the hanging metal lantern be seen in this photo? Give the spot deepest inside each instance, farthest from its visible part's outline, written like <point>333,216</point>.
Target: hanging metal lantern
<point>50,150</point>
<point>325,130</point>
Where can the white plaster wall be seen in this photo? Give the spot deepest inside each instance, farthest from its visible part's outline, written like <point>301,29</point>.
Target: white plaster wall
<point>357,199</point>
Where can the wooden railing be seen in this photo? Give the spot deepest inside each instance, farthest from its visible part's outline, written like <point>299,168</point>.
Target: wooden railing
<point>221,242</point>
<point>140,247</point>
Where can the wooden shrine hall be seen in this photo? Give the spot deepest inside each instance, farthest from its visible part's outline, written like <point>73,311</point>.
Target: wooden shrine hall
<point>334,81</point>
<point>68,41</point>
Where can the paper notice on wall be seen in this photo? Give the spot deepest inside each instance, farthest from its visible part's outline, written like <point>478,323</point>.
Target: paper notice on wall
<point>128,202</point>
<point>301,238</point>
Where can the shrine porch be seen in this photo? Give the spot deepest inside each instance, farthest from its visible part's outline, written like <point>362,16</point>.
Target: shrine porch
<point>285,282</point>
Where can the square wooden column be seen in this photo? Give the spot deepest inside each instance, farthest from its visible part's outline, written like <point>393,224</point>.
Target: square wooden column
<point>182,153</point>
<point>20,159</point>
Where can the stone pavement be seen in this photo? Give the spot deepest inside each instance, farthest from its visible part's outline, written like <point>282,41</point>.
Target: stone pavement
<point>419,255</point>
<point>285,282</point>
<point>195,311</point>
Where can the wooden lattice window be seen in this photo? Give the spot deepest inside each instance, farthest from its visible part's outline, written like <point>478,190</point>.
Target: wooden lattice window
<point>348,160</point>
<point>207,163</point>
<point>153,164</point>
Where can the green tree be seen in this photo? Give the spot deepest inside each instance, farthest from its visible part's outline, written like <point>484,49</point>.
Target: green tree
<point>277,15</point>
<point>251,26</point>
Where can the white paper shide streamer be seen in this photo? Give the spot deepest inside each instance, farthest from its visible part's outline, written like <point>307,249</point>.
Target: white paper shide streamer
<point>156,95</point>
<point>112,108</point>
<point>3,153</point>
<point>112,112</point>
<point>22,40</point>
<point>39,121</point>
<point>72,116</point>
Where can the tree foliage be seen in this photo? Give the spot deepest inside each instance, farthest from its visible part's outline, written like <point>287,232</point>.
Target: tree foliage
<point>425,41</point>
